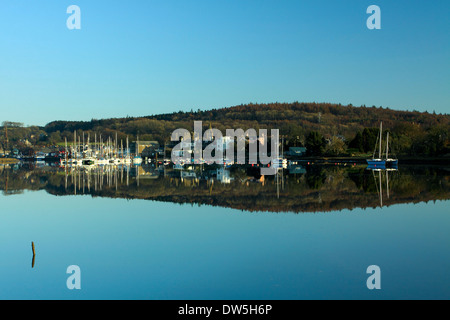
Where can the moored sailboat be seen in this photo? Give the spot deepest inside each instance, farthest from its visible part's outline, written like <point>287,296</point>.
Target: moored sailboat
<point>137,160</point>
<point>377,162</point>
<point>380,162</point>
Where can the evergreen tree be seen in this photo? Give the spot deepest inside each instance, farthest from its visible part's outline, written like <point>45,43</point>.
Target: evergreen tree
<point>315,143</point>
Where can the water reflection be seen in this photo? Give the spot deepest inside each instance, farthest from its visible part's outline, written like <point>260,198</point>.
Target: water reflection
<point>299,188</point>
<point>378,175</point>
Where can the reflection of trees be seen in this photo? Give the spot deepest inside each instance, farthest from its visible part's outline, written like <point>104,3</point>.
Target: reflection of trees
<point>239,173</point>
<point>16,181</point>
<point>322,188</point>
<point>315,177</point>
<point>363,180</point>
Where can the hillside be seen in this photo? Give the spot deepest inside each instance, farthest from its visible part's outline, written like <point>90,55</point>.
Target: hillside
<point>411,131</point>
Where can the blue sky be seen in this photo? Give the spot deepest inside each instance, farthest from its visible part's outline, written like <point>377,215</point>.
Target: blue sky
<point>140,58</point>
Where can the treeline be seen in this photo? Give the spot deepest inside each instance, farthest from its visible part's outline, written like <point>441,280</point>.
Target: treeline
<point>16,135</point>
<point>327,129</point>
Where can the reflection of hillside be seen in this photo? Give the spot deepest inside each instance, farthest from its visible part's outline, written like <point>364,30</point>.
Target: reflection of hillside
<point>320,189</point>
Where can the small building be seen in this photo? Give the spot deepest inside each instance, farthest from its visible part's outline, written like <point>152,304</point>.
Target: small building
<point>296,151</point>
<point>26,142</point>
<point>145,149</point>
<point>46,150</point>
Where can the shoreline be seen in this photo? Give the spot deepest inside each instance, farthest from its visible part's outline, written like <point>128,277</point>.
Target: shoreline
<point>9,161</point>
<point>361,160</point>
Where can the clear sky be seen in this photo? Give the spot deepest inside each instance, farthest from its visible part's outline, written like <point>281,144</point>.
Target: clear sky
<point>148,57</point>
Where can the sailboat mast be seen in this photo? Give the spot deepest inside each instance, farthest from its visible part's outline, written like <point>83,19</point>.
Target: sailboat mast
<point>116,147</point>
<point>137,146</point>
<point>387,183</point>
<point>381,132</point>
<point>128,150</point>
<point>381,190</point>
<point>84,147</point>
<point>387,145</point>
<point>102,147</point>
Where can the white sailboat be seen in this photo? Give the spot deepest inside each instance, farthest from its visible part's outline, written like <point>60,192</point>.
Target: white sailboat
<point>378,162</point>
<point>137,160</point>
<point>127,158</point>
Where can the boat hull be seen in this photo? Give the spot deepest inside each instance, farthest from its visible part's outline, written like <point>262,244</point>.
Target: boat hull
<point>391,163</point>
<point>376,162</point>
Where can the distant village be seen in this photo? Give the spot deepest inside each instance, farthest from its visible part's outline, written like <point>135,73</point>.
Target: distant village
<point>147,151</point>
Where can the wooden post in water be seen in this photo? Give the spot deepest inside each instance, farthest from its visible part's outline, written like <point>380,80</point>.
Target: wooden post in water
<point>34,254</point>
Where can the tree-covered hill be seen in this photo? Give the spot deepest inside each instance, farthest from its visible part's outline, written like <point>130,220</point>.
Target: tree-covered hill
<point>411,132</point>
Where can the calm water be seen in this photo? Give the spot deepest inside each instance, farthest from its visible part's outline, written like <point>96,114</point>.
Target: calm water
<point>193,246</point>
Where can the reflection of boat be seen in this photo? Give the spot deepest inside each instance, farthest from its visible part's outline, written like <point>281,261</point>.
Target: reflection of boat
<point>76,162</point>
<point>223,175</point>
<point>376,167</point>
<point>88,161</point>
<point>380,163</point>
<point>178,166</point>
<point>279,163</point>
<point>102,161</point>
<point>391,163</point>
<point>137,160</point>
<point>379,184</point>
<point>188,174</point>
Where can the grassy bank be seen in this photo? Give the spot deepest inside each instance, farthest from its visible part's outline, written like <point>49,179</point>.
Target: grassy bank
<point>8,161</point>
